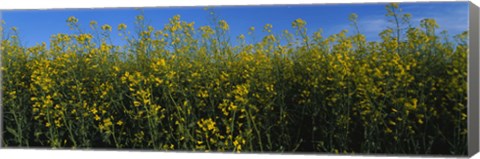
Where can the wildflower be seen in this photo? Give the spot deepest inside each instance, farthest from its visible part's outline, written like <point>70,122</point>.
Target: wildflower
<point>392,122</point>
<point>93,23</point>
<point>106,27</point>
<point>107,122</point>
<point>94,111</point>
<point>251,29</point>
<point>72,19</point>
<point>413,105</point>
<point>139,17</point>
<point>394,110</point>
<point>388,130</point>
<point>298,23</point>
<point>420,121</point>
<point>120,123</point>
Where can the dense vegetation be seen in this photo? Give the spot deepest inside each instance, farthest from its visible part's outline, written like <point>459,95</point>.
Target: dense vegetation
<point>191,89</point>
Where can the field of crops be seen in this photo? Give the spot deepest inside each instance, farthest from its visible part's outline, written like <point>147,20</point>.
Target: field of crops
<point>189,88</point>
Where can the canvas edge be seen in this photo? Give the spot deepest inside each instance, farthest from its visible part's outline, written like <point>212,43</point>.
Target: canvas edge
<point>1,86</point>
<point>473,110</point>
<point>473,81</point>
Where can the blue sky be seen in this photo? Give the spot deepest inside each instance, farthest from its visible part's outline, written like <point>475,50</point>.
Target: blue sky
<point>37,26</point>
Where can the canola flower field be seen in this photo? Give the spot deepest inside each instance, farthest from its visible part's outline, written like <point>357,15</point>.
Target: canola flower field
<point>188,88</point>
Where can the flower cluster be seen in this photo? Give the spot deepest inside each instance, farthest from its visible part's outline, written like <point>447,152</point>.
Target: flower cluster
<point>187,88</point>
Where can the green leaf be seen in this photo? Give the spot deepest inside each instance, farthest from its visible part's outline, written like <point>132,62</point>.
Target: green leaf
<point>12,131</point>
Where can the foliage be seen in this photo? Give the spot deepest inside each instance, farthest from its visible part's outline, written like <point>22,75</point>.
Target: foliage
<point>191,89</point>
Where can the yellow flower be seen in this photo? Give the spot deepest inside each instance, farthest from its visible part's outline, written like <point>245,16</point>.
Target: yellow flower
<point>392,122</point>
<point>223,25</point>
<point>235,143</point>
<point>72,19</point>
<point>394,110</point>
<point>300,23</point>
<point>413,105</point>
<point>414,101</point>
<point>106,27</point>
<point>122,26</point>
<point>120,123</point>
<point>233,106</point>
<point>388,130</point>
<point>94,111</point>
<point>136,103</point>
<point>211,125</point>
<point>116,68</point>
<point>93,23</point>
<point>420,121</point>
<point>107,122</point>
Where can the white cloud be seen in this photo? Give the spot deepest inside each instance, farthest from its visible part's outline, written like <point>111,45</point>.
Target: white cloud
<point>453,18</point>
<point>372,26</point>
